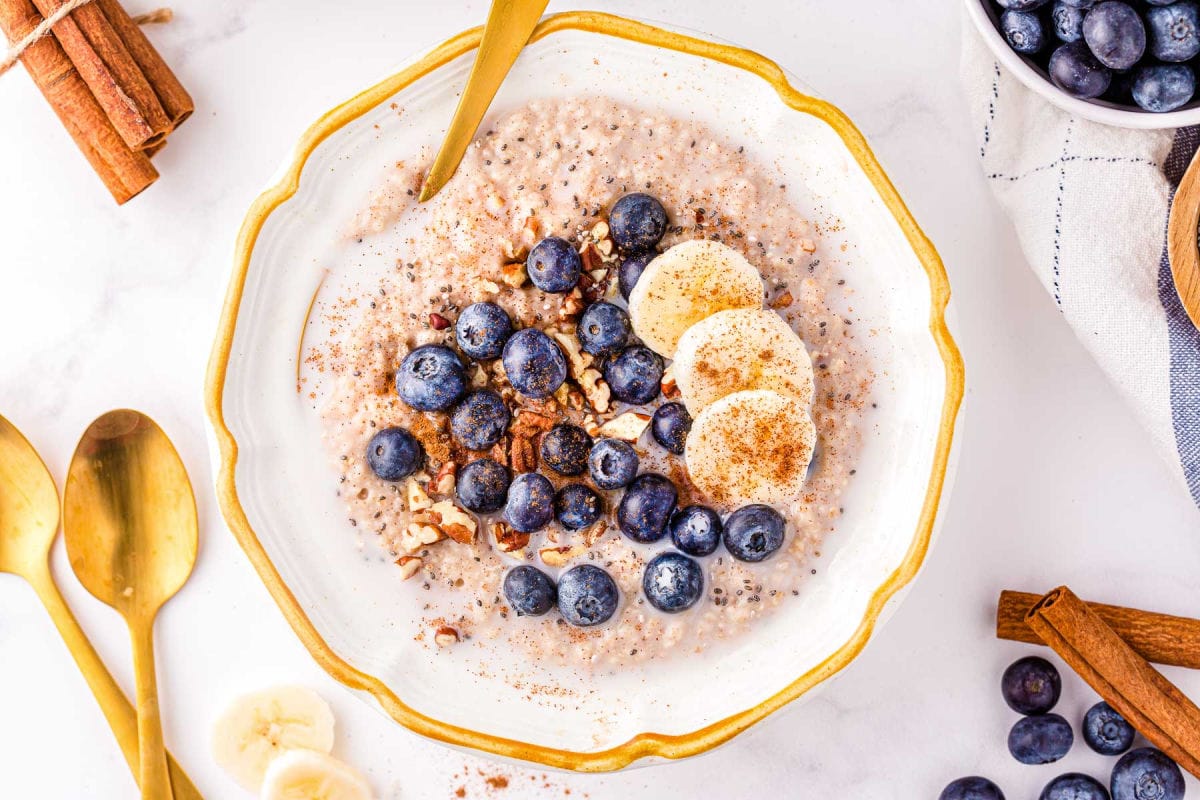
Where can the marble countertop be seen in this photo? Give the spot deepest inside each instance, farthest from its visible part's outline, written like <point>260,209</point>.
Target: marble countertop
<point>103,307</point>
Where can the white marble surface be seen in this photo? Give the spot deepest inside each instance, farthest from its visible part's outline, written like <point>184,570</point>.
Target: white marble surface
<point>103,307</point>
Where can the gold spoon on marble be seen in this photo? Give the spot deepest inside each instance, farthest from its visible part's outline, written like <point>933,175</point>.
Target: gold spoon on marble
<point>129,517</point>
<point>28,528</point>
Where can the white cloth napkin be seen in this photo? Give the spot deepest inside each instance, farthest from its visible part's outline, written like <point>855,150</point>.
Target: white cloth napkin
<point>1090,204</point>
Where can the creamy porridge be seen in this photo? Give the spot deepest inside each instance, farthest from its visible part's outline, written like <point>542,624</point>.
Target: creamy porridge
<point>741,311</point>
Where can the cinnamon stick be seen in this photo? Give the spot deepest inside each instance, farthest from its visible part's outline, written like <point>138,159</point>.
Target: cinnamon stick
<point>116,80</point>
<point>1151,703</point>
<point>175,100</point>
<point>1161,638</point>
<point>124,171</point>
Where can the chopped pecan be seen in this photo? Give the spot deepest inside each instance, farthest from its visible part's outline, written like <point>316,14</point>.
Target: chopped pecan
<point>508,540</point>
<point>560,556</point>
<point>417,499</point>
<point>524,434</point>
<point>670,388</point>
<point>443,480</point>
<point>781,300</point>
<point>417,535</point>
<point>445,636</point>
<point>409,566</point>
<point>455,523</point>
<point>571,305</point>
<point>593,534</point>
<point>627,427</point>
<point>596,390</point>
<point>513,274</point>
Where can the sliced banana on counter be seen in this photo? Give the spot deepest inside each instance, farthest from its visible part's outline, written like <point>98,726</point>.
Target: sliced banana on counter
<point>751,447</point>
<point>309,775</point>
<point>739,350</point>
<point>687,283</point>
<point>258,728</point>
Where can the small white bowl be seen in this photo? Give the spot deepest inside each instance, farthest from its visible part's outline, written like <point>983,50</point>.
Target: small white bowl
<point>1098,110</point>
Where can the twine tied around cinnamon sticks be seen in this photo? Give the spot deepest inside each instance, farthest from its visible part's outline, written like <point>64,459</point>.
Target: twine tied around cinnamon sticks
<point>10,58</point>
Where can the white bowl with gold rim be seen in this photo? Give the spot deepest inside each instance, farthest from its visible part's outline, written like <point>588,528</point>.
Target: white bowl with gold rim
<point>347,605</point>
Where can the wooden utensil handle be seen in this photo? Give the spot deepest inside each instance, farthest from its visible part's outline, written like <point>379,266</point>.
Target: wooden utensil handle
<point>155,782</point>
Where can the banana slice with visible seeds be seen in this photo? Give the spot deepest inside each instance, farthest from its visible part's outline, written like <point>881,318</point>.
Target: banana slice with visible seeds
<point>309,775</point>
<point>257,728</point>
<point>751,447</point>
<point>738,350</point>
<point>684,285</point>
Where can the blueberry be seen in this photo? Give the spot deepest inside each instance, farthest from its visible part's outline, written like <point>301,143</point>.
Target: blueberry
<point>1172,31</point>
<point>1160,2</point>
<point>1023,30</point>
<point>635,376</point>
<point>631,269</point>
<point>1076,71</point>
<point>1146,774</point>
<point>972,788</point>
<point>1067,21</point>
<point>577,506</point>
<point>1021,5</point>
<point>1115,34</point>
<point>670,425</point>
<point>754,532</point>
<point>637,222</point>
<point>480,420</point>
<point>673,582</point>
<point>696,530</point>
<point>646,508</point>
<point>482,485</point>
<point>1074,786</point>
<point>394,453</point>
<point>565,449</point>
<point>530,505</point>
<point>529,591</point>
<point>603,329</point>
<point>586,595</point>
<point>1106,731</point>
<point>1041,739</point>
<point>431,378</point>
<point>554,265</point>
<point>1081,3</point>
<point>482,329</point>
<point>1031,685</point>
<point>1164,88</point>
<point>612,463</point>
<point>534,364</point>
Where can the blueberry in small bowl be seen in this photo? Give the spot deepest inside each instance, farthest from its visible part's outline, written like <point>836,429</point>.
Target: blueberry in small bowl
<point>696,530</point>
<point>530,503</point>
<point>1023,30</point>
<point>1165,87</point>
<point>480,420</point>
<point>603,329</point>
<point>635,375</point>
<point>1040,740</point>
<point>482,485</point>
<point>533,363</point>
<point>482,329</point>
<point>529,591</point>
<point>612,463</point>
<point>670,425</point>
<point>1031,685</point>
<point>1074,786</point>
<point>1067,21</point>
<point>1174,31</point>
<point>1146,774</point>
<point>565,449</point>
<point>973,787</point>
<point>431,378</point>
<point>637,222</point>
<point>554,265</point>
<point>1077,72</point>
<point>631,269</point>
<point>646,507</point>
<point>587,595</point>
<point>577,506</point>
<point>1106,731</point>
<point>394,454</point>
<point>754,532</point>
<point>673,582</point>
<point>1115,33</point>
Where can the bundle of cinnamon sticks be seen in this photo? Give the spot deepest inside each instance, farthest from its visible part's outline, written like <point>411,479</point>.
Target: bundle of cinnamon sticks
<point>111,89</point>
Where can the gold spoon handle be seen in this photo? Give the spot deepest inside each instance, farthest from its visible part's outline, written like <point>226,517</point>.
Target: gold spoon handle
<point>116,707</point>
<point>509,24</point>
<point>155,783</point>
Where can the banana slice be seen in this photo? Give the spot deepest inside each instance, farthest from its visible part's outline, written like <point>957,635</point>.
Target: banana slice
<point>309,775</point>
<point>259,727</point>
<point>684,285</point>
<point>751,447</point>
<point>738,350</point>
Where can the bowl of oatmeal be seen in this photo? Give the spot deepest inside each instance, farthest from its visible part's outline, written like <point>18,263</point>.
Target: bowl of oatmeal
<point>657,390</point>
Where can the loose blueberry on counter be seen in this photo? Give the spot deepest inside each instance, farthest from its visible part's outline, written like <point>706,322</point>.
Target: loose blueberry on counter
<point>754,532</point>
<point>565,449</point>
<point>646,508</point>
<point>1031,686</point>
<point>1106,731</point>
<point>635,376</point>
<point>554,265</point>
<point>1023,30</point>
<point>1146,774</point>
<point>603,329</point>
<point>971,788</point>
<point>482,329</point>
<point>1076,71</point>
<point>587,595</point>
<point>534,364</point>
<point>530,505</point>
<point>1074,786</point>
<point>577,506</point>
<point>1040,740</point>
<point>696,530</point>
<point>1115,34</point>
<point>1067,21</point>
<point>637,222</point>
<point>431,378</point>
<point>1173,31</point>
<point>480,420</point>
<point>673,582</point>
<point>482,485</point>
<point>631,269</point>
<point>612,463</point>
<point>1164,88</point>
<point>529,591</point>
<point>670,425</point>
<point>394,453</point>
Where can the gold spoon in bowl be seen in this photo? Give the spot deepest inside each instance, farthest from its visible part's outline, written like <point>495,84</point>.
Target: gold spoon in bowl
<point>129,517</point>
<point>28,528</point>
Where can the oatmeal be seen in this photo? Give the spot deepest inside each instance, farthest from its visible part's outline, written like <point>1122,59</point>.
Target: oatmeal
<point>588,424</point>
